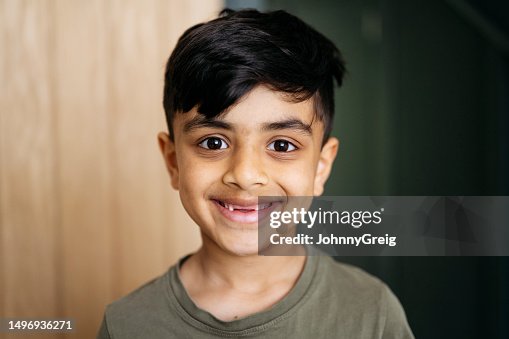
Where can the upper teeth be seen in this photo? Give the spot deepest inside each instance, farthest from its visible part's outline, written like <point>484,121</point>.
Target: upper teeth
<point>255,207</point>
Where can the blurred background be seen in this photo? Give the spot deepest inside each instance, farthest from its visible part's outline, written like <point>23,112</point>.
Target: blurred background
<point>86,210</point>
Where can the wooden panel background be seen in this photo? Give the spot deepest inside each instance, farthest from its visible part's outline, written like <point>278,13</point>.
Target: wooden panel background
<point>86,210</point>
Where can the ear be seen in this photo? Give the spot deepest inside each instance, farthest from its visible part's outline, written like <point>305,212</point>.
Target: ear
<point>327,156</point>
<point>167,147</point>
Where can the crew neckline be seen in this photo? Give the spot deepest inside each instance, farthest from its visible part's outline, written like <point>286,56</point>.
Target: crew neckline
<point>256,322</point>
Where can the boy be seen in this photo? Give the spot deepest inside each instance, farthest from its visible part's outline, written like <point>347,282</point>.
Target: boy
<point>249,103</point>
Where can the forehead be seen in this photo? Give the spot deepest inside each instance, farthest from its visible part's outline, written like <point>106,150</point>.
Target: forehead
<point>261,106</point>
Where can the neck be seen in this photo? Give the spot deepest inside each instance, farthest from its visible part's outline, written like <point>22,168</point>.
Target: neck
<point>248,272</point>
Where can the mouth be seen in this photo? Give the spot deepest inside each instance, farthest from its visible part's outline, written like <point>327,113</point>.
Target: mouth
<point>245,212</point>
<point>244,209</point>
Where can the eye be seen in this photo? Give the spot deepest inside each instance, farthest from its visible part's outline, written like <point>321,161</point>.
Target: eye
<point>282,146</point>
<point>213,143</point>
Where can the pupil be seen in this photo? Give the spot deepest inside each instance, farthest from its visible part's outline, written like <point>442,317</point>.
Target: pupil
<point>214,143</point>
<point>281,146</point>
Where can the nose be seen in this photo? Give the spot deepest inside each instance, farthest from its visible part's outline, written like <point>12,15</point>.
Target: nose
<point>246,169</point>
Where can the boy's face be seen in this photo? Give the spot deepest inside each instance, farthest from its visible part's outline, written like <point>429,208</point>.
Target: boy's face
<point>262,146</point>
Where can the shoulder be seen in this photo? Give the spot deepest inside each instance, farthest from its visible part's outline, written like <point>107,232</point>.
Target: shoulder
<point>353,283</point>
<point>142,310</point>
<point>347,277</point>
<point>141,299</point>
<point>363,295</point>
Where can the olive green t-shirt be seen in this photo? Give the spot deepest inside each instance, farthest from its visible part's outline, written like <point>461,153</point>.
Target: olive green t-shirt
<point>330,300</point>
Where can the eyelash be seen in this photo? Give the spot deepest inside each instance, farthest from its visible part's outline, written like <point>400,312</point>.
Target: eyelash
<point>224,145</point>
<point>290,145</point>
<point>203,143</point>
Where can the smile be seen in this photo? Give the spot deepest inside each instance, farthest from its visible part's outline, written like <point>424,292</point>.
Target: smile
<point>240,212</point>
<point>244,209</point>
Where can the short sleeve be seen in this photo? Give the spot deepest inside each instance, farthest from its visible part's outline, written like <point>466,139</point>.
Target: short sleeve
<point>396,324</point>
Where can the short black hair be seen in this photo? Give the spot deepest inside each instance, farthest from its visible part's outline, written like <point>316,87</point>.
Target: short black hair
<point>216,63</point>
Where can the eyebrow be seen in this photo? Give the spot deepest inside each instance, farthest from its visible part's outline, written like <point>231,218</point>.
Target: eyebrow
<point>200,122</point>
<point>289,124</point>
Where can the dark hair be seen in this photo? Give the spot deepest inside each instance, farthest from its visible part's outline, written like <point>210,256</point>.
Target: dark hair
<point>216,63</point>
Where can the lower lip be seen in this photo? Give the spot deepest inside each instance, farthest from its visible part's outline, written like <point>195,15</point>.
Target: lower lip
<point>244,217</point>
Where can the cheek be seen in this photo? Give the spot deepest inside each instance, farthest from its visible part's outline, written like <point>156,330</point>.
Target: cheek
<point>196,177</point>
<point>297,179</point>
<point>195,181</point>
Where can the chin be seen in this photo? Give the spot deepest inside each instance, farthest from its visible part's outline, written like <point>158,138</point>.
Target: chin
<point>242,248</point>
